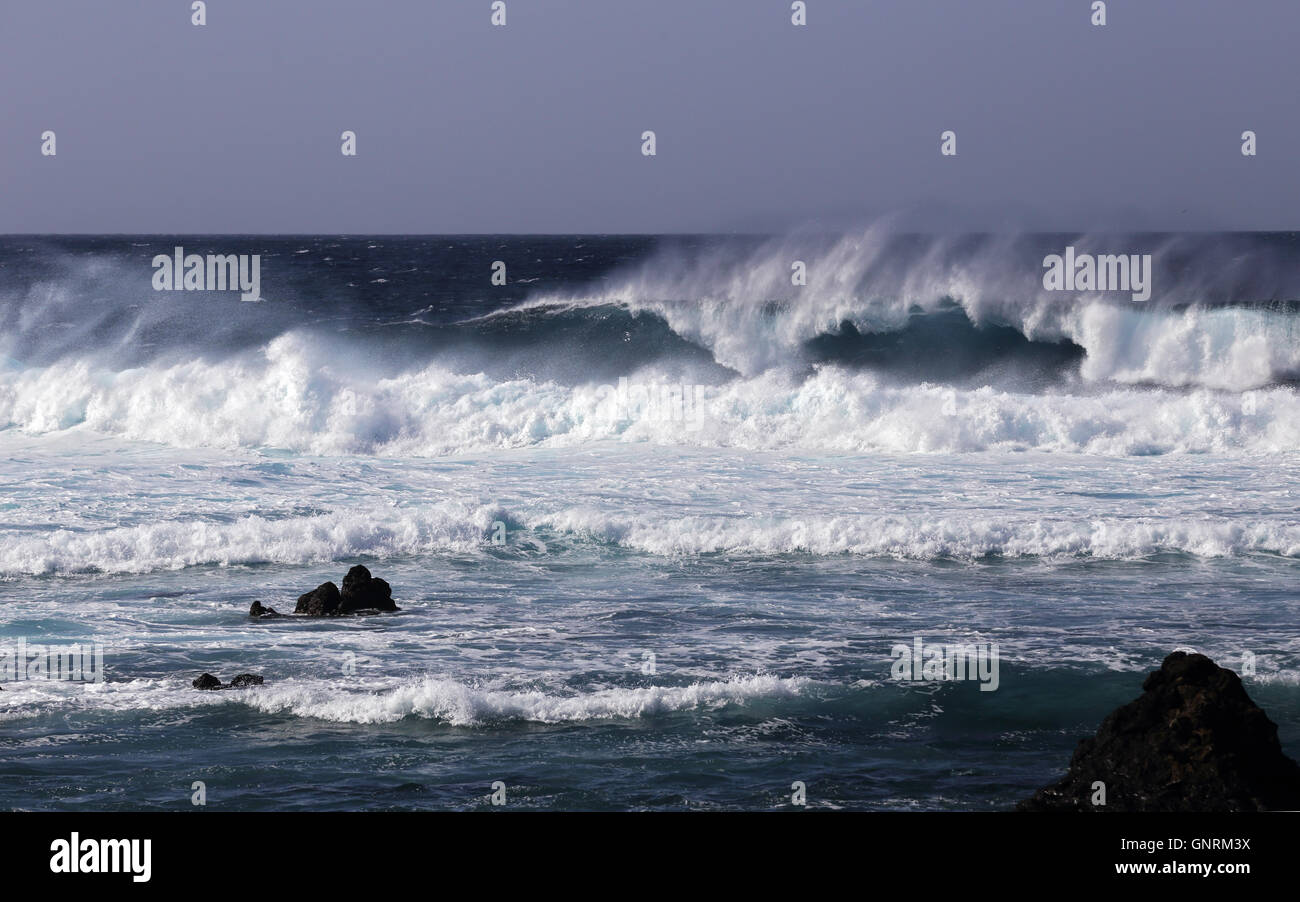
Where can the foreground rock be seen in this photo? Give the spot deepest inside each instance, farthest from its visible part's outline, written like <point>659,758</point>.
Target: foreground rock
<point>361,592</point>
<point>1193,741</point>
<point>243,681</point>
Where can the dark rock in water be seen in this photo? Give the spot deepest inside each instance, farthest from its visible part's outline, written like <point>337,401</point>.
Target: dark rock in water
<point>243,681</point>
<point>1193,741</point>
<point>206,681</point>
<point>260,610</point>
<point>322,601</point>
<point>361,591</point>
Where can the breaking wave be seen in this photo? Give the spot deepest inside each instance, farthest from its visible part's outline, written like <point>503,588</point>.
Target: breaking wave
<point>349,533</point>
<point>1223,314</point>
<point>900,344</point>
<point>446,701</point>
<point>283,398</point>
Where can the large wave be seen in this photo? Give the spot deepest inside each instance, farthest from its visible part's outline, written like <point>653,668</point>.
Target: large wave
<point>293,395</point>
<point>1223,313</point>
<point>897,343</point>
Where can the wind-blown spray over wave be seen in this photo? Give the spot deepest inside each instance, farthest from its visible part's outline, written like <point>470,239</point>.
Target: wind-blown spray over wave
<point>897,343</point>
<point>1222,315</point>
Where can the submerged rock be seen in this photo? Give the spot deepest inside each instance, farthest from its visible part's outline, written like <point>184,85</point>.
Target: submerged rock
<point>321,601</point>
<point>361,591</point>
<point>1193,741</point>
<point>243,681</point>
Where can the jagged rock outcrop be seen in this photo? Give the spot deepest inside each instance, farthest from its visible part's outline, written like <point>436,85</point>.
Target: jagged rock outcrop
<point>1193,741</point>
<point>260,610</point>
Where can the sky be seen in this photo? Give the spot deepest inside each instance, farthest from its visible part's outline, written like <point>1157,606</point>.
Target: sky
<point>462,127</point>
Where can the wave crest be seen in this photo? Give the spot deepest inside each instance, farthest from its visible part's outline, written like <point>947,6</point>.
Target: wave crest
<point>738,301</point>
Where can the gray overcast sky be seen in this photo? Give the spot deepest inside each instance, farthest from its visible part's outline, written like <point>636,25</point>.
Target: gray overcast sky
<point>535,127</point>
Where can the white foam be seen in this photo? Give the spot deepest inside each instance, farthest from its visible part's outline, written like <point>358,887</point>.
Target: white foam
<point>384,532</point>
<point>284,397</point>
<point>455,703</point>
<point>1232,349</point>
<point>174,544</point>
<point>444,700</point>
<point>961,537</point>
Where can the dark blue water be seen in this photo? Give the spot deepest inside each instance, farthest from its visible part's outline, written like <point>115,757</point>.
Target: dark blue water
<point>618,603</point>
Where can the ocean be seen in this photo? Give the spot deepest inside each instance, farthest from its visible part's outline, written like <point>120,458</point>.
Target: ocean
<point>656,517</point>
